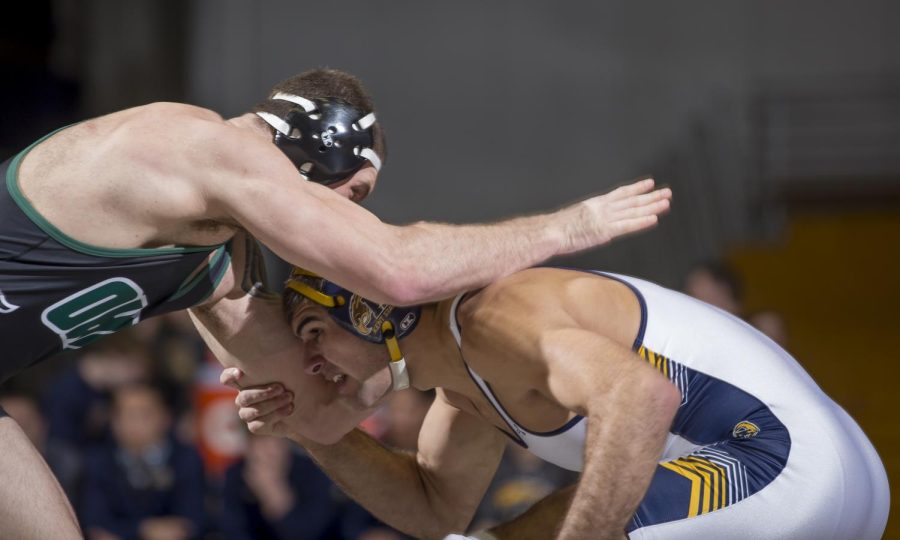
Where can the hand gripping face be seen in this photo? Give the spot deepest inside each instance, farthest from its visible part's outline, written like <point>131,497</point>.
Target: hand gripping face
<point>373,322</point>
<point>326,140</point>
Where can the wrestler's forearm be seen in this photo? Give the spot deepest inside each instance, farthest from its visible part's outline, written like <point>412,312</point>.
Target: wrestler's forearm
<point>448,259</point>
<point>445,260</point>
<point>625,439</point>
<point>310,226</point>
<point>386,482</point>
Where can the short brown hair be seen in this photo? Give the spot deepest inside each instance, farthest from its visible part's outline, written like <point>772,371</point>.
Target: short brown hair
<point>291,299</point>
<point>326,83</point>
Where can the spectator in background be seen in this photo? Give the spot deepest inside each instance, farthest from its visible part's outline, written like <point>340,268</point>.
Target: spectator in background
<point>770,323</point>
<point>277,493</point>
<point>77,401</point>
<point>143,484</point>
<point>717,284</point>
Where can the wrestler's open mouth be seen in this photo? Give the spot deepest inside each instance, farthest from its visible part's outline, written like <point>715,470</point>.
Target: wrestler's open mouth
<point>338,378</point>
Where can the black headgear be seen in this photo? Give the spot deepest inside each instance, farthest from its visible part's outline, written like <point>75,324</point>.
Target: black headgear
<point>326,140</point>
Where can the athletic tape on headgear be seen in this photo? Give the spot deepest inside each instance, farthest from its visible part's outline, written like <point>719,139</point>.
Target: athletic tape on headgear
<point>326,140</point>
<point>368,320</point>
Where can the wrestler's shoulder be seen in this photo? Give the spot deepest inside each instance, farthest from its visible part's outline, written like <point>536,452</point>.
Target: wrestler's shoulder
<point>170,111</point>
<point>516,295</point>
<point>542,295</point>
<point>167,121</point>
<point>177,135</point>
<point>529,286</point>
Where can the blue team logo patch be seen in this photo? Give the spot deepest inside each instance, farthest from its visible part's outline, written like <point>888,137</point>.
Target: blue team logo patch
<point>745,430</point>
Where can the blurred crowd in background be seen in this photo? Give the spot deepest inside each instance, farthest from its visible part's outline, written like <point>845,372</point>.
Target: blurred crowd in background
<point>147,444</point>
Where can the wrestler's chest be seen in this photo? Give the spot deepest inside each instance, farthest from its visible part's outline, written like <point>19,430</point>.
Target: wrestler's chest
<point>501,406</point>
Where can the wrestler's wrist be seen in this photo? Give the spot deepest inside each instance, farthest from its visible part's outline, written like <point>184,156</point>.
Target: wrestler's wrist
<point>568,229</point>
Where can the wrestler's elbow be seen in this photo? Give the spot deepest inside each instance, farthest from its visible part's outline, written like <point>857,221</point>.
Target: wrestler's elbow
<point>643,395</point>
<point>446,514</point>
<point>402,282</point>
<point>661,398</point>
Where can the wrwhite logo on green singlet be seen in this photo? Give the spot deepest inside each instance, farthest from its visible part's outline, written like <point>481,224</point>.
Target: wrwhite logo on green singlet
<point>100,309</point>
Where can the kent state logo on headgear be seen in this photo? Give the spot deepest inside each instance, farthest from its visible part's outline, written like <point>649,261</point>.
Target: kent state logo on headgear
<point>367,318</point>
<point>745,430</point>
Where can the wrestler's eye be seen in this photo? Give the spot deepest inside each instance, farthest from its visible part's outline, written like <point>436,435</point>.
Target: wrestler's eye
<point>309,329</point>
<point>310,333</point>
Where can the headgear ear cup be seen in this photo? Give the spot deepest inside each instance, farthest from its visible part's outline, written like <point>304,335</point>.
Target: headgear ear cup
<point>326,140</point>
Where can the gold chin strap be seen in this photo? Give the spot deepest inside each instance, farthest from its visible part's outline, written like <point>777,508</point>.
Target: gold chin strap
<point>399,374</point>
<point>310,292</point>
<point>315,295</point>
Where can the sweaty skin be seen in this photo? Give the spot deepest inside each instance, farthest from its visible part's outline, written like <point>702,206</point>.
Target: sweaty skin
<point>568,358</point>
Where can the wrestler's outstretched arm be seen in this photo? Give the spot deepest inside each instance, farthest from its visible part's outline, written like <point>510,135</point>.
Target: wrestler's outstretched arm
<point>311,226</point>
<point>427,494</point>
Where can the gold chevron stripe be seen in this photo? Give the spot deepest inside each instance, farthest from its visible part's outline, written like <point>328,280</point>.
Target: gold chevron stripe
<point>718,479</point>
<point>658,361</point>
<point>706,483</point>
<point>696,481</point>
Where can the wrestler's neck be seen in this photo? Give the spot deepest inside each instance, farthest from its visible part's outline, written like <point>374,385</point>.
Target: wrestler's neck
<point>432,356</point>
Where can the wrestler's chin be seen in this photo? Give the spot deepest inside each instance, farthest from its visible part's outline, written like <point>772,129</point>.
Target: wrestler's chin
<point>372,390</point>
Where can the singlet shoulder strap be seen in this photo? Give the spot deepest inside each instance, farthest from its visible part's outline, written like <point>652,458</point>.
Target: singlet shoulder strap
<point>481,383</point>
<point>454,325</point>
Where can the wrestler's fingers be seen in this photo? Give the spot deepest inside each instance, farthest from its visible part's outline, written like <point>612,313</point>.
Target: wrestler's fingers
<point>253,396</point>
<point>631,225</point>
<point>661,194</point>
<point>265,407</point>
<point>655,207</point>
<point>630,190</point>
<point>271,423</point>
<point>231,377</point>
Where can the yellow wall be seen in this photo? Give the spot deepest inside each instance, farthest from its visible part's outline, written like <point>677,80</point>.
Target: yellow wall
<point>836,281</point>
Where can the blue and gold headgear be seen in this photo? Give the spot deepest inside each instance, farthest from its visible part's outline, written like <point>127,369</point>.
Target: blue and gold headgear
<point>368,320</point>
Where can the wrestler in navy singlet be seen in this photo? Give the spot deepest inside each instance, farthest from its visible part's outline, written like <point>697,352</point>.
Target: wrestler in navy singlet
<point>57,293</point>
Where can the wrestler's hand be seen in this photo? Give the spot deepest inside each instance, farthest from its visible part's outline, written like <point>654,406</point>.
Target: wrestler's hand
<point>624,210</point>
<point>263,408</point>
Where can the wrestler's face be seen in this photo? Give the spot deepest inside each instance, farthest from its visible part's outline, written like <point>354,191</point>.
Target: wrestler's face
<point>358,369</point>
<point>359,186</point>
